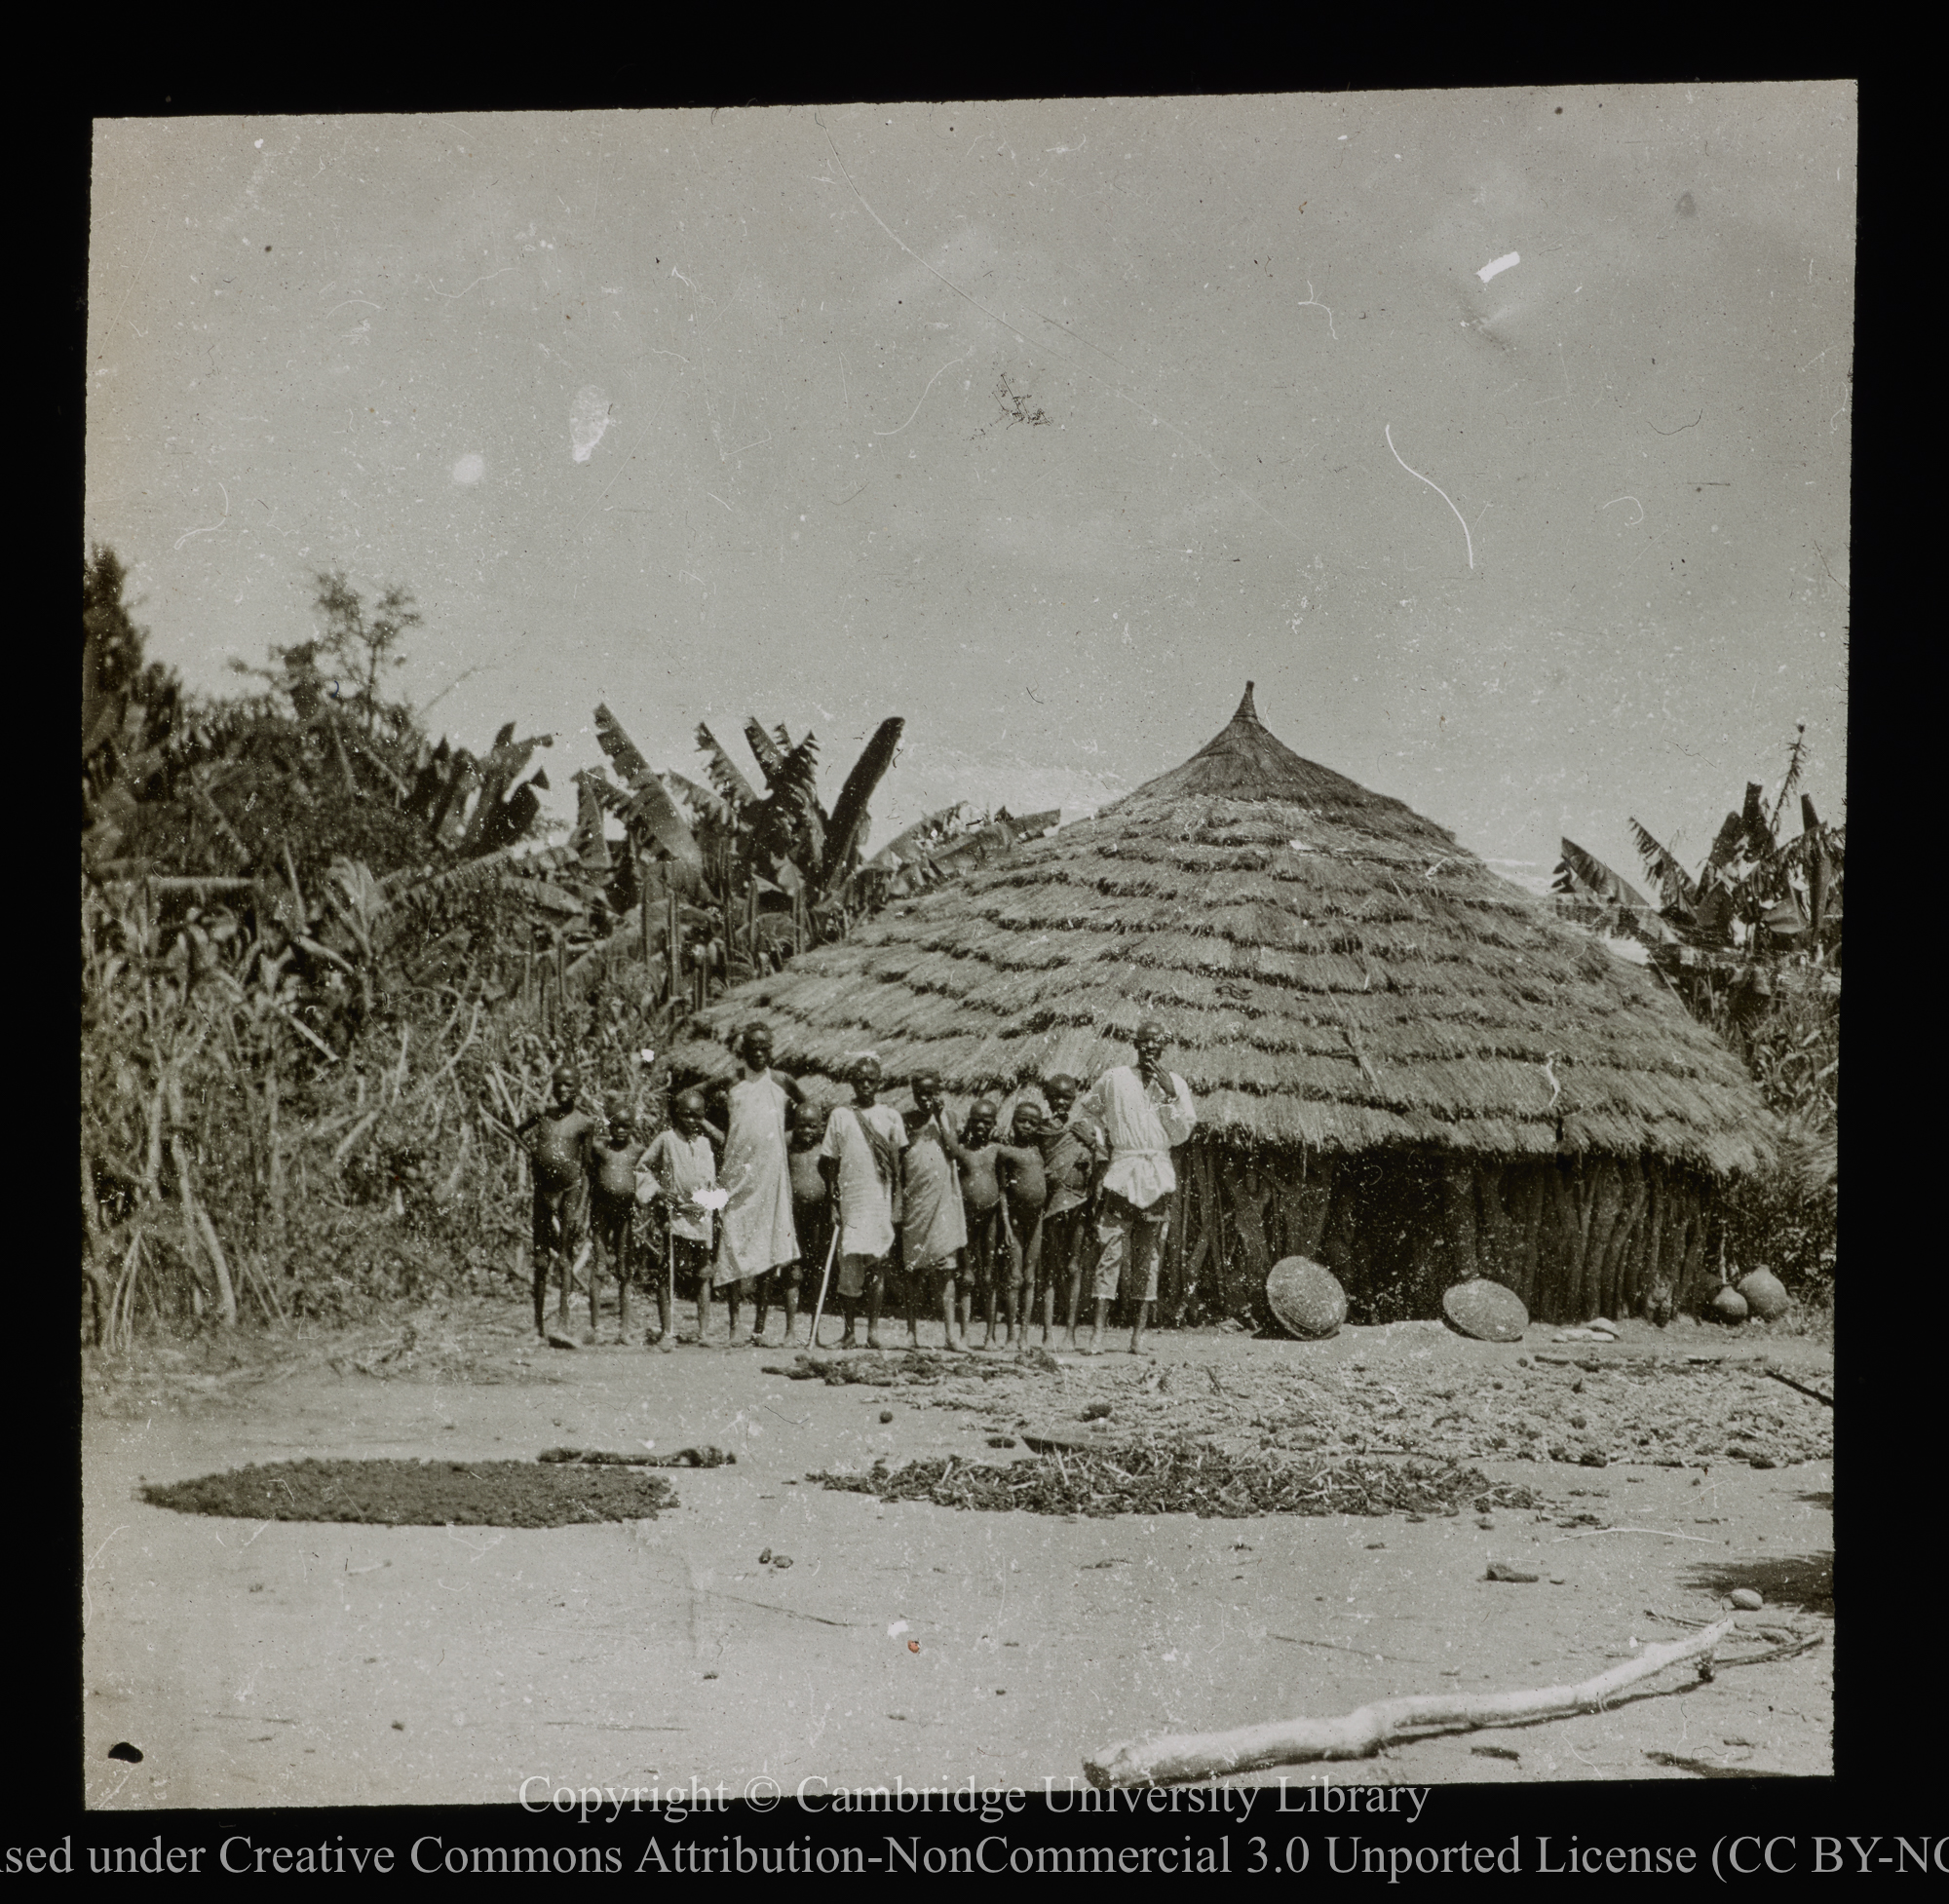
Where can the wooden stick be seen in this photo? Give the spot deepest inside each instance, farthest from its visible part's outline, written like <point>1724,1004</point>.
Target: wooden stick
<point>569,1272</point>
<point>831,1250</point>
<point>1801,1385</point>
<point>1188,1756</point>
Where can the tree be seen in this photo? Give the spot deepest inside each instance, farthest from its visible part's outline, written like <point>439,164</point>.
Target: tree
<point>131,709</point>
<point>362,652</point>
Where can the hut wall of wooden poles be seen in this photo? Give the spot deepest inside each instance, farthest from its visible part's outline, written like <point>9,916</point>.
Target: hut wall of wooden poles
<point>1405,1066</point>
<point>1575,1237</point>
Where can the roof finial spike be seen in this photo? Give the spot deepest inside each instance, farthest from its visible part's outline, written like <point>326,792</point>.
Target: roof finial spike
<point>1246,711</point>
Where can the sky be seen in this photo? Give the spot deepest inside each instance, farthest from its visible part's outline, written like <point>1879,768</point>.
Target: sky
<point>1501,438</point>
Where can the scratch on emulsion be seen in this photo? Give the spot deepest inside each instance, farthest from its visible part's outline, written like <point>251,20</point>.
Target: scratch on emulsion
<point>213,528</point>
<point>1467,538</point>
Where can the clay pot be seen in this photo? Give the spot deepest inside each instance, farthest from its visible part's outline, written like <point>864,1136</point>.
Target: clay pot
<point>1728,1306</point>
<point>1766,1296</point>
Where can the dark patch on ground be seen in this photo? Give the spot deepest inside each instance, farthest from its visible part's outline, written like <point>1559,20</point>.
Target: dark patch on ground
<point>421,1494</point>
<point>1804,1579</point>
<point>879,1369</point>
<point>1186,1479</point>
<point>706,1457</point>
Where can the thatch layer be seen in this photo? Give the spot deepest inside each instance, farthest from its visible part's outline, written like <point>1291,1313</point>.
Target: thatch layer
<point>1334,971</point>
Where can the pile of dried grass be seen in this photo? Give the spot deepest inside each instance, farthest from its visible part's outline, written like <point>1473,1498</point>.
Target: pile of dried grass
<point>1187,1478</point>
<point>421,1494</point>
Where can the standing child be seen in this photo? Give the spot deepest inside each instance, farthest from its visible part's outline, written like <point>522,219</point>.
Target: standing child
<point>990,1270</point>
<point>560,1220</point>
<point>932,1226</point>
<point>676,1171</point>
<point>612,1202</point>
<point>1024,1197</point>
<point>860,1158</point>
<point>812,1222</point>
<point>1070,1150</point>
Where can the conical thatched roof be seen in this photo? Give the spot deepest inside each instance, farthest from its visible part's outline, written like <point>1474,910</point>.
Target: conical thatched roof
<point>1333,970</point>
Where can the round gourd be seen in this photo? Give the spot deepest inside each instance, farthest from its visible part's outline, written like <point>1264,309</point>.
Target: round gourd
<point>1306,1297</point>
<point>1486,1311</point>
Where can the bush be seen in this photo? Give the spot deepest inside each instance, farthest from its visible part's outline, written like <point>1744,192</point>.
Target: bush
<point>1786,1217</point>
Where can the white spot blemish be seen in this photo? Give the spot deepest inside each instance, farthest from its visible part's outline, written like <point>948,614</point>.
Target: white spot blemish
<point>469,469</point>
<point>588,419</point>
<point>1502,263</point>
<point>899,1628</point>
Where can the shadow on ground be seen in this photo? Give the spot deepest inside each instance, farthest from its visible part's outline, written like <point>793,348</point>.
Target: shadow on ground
<point>1803,1579</point>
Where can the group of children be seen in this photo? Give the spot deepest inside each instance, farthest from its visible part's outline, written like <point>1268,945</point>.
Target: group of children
<point>792,1207</point>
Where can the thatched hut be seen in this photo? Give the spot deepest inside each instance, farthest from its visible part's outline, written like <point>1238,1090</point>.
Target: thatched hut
<point>1404,1065</point>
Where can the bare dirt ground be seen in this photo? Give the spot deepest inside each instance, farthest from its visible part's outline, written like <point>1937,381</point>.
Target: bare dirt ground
<point>290,1664</point>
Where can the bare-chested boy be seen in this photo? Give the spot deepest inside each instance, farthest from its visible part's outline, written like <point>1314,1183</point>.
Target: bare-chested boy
<point>559,1226</point>
<point>671,1172</point>
<point>811,1223</point>
<point>1072,1147</point>
<point>1024,1195</point>
<point>612,1204</point>
<point>989,1269</point>
<point>861,1159</point>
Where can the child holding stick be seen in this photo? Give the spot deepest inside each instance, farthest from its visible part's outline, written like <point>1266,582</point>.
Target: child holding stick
<point>678,1171</point>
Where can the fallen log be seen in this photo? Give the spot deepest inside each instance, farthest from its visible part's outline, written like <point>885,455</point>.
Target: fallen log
<point>1183,1757</point>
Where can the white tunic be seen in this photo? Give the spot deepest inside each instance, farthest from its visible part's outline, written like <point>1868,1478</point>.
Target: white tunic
<point>1143,1124</point>
<point>757,1232</point>
<point>865,1198</point>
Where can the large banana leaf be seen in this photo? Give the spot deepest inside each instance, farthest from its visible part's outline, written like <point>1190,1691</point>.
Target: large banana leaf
<point>592,848</point>
<point>1727,843</point>
<point>1675,886</point>
<point>770,756</point>
<point>617,744</point>
<point>1580,871</point>
<point>649,811</point>
<point>706,805</point>
<point>849,815</point>
<point>910,845</point>
<point>652,810</point>
<point>787,825</point>
<point>1753,828</point>
<point>498,772</point>
<point>507,821</point>
<point>723,770</point>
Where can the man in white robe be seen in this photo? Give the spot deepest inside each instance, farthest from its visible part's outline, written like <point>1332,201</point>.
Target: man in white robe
<point>1144,1112</point>
<point>756,1233</point>
<point>860,1157</point>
